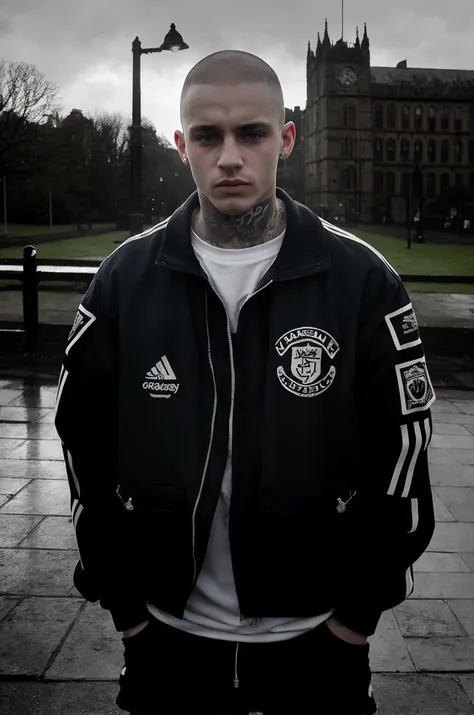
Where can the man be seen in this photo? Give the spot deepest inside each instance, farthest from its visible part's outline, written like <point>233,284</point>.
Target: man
<point>245,412</point>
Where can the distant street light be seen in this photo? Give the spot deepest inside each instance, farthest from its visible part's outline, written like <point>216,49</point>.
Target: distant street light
<point>173,42</point>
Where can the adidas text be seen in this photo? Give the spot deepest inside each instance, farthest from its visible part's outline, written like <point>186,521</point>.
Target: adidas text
<point>161,386</point>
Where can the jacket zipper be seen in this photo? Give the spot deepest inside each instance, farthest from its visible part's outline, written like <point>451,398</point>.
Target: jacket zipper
<point>211,436</point>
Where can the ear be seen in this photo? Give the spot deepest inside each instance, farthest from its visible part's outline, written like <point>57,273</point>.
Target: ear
<point>288,138</point>
<point>180,143</point>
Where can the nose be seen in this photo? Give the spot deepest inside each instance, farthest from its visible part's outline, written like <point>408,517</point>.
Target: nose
<point>230,156</point>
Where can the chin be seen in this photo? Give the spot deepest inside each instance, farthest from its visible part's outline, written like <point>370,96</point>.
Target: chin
<point>233,205</point>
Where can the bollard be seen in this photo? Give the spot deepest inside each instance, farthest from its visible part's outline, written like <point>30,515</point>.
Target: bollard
<point>30,299</point>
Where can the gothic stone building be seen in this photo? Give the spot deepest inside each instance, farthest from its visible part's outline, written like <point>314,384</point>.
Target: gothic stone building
<point>365,128</point>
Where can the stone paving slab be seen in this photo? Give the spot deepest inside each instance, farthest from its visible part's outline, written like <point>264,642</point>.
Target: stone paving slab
<point>452,536</point>
<point>11,486</point>
<point>441,511</point>
<point>54,532</point>
<point>444,585</point>
<point>388,649</point>
<point>442,654</point>
<point>41,496</point>
<point>15,528</point>
<point>22,414</point>
<point>32,632</point>
<point>459,501</point>
<point>38,572</point>
<point>7,603</point>
<point>46,449</point>
<point>32,469</point>
<point>38,430</point>
<point>451,475</point>
<point>465,407</point>
<point>7,446</point>
<point>441,428</point>
<point>432,561</point>
<point>420,695</point>
<point>467,681</point>
<point>17,698</point>
<point>468,558</point>
<point>423,619</point>
<point>464,611</point>
<point>449,457</point>
<point>92,651</point>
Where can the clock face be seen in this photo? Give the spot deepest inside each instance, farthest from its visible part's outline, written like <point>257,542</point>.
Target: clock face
<point>347,77</point>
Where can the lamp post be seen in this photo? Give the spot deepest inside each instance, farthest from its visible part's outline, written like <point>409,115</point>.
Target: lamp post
<point>418,190</point>
<point>174,43</point>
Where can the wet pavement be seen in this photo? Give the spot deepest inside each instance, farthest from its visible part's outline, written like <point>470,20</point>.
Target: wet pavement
<point>59,654</point>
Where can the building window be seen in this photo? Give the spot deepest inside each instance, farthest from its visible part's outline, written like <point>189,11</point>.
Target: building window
<point>471,121</point>
<point>445,120</point>
<point>406,117</point>
<point>418,151</point>
<point>378,150</point>
<point>406,184</point>
<point>390,183</point>
<point>390,149</point>
<point>391,116</point>
<point>459,180</point>
<point>432,150</point>
<point>431,186</point>
<point>458,152</point>
<point>378,116</point>
<point>471,152</point>
<point>405,150</point>
<point>445,151</point>
<point>418,118</point>
<point>432,119</point>
<point>378,183</point>
<point>349,114</point>
<point>445,182</point>
<point>348,147</point>
<point>349,178</point>
<point>458,119</point>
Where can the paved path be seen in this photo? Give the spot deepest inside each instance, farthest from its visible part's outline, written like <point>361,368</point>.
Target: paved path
<point>61,655</point>
<point>433,309</point>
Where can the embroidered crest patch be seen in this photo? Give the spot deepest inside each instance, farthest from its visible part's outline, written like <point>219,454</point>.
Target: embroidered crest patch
<point>403,327</point>
<point>414,385</point>
<point>308,352</point>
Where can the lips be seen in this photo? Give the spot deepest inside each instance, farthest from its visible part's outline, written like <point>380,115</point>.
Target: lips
<point>223,184</point>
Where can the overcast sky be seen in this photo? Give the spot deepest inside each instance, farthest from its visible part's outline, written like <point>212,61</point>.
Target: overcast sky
<point>85,45</point>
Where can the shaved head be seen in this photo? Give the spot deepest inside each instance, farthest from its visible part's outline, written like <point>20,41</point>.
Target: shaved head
<point>234,67</point>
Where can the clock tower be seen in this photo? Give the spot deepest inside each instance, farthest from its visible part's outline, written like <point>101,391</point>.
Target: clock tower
<point>338,147</point>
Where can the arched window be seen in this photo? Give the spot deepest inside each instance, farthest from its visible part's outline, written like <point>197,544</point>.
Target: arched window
<point>378,150</point>
<point>406,182</point>
<point>432,119</point>
<point>431,186</point>
<point>406,117</point>
<point>445,182</point>
<point>458,117</point>
<point>471,152</point>
<point>391,116</point>
<point>418,118</point>
<point>418,151</point>
<point>459,180</point>
<point>378,183</point>
<point>445,153</point>
<point>432,151</point>
<point>378,116</point>
<point>391,183</point>
<point>405,150</point>
<point>390,149</point>
<point>458,152</point>
<point>445,120</point>
<point>349,178</point>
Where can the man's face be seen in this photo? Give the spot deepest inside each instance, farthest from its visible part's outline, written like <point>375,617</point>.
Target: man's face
<point>233,133</point>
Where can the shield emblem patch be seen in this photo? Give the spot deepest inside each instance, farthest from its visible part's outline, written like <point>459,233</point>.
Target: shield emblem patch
<point>306,363</point>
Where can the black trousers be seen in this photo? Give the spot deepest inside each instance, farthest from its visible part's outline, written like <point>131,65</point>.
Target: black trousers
<point>169,672</point>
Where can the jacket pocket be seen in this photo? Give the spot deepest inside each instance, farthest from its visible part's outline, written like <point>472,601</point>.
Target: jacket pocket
<point>324,500</point>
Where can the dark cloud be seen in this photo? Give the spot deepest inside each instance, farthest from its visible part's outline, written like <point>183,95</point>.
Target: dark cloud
<point>85,45</point>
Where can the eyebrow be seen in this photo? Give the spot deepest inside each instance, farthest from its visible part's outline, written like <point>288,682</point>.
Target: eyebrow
<point>254,126</point>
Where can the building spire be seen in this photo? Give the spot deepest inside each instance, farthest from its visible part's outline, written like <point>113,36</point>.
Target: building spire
<point>365,39</point>
<point>357,42</point>
<point>326,40</point>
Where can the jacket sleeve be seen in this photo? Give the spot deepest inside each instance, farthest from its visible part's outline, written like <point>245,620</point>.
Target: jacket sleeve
<point>86,420</point>
<point>392,521</point>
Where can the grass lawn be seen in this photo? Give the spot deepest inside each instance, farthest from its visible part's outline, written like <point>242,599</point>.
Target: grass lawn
<point>439,287</point>
<point>81,247</point>
<point>17,229</point>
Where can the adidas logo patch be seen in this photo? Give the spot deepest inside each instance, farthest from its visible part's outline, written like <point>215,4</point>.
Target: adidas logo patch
<point>160,380</point>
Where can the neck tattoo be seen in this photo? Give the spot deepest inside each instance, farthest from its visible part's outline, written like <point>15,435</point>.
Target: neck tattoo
<point>258,225</point>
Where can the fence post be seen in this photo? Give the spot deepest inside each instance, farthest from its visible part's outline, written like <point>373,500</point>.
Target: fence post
<point>30,299</point>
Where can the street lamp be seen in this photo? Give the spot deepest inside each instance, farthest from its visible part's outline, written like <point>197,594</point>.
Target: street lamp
<point>173,42</point>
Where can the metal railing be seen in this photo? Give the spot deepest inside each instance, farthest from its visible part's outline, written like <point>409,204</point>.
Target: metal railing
<point>31,273</point>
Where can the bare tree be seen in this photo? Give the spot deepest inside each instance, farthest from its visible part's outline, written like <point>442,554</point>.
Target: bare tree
<point>25,97</point>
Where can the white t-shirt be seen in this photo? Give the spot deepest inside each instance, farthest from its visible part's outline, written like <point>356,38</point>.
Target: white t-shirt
<point>213,608</point>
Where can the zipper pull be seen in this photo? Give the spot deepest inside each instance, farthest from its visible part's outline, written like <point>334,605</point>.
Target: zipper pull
<point>342,505</point>
<point>127,504</point>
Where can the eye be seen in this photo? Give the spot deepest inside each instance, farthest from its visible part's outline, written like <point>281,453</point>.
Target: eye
<point>205,138</point>
<point>254,136</point>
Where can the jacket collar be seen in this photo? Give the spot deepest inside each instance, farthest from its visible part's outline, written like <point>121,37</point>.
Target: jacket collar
<point>303,252</point>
